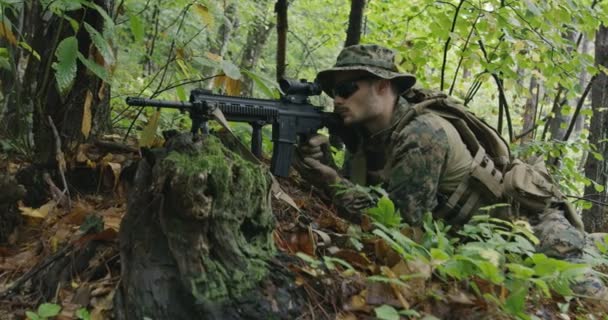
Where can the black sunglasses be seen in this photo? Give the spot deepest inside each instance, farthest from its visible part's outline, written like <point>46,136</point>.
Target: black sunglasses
<point>347,88</point>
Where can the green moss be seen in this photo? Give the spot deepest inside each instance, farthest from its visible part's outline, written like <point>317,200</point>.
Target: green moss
<point>228,198</point>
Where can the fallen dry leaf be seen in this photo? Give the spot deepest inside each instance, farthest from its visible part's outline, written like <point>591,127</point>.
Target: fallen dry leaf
<point>460,297</point>
<point>358,302</point>
<point>39,213</point>
<point>102,307</point>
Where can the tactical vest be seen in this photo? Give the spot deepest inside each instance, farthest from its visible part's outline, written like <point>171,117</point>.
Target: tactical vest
<point>493,176</point>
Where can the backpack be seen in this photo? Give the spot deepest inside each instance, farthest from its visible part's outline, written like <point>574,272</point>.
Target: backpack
<point>527,186</point>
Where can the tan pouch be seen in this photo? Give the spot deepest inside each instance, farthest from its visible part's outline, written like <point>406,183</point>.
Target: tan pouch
<point>530,185</point>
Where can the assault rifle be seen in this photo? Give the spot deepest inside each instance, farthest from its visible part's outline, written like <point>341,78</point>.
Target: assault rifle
<point>291,116</point>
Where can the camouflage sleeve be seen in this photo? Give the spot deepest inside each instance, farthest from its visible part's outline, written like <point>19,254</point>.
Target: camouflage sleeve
<point>415,165</point>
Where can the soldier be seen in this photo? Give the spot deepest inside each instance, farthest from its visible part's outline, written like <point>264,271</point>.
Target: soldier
<point>422,162</point>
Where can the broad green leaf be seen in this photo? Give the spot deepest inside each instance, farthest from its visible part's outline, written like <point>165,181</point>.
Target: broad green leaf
<point>207,62</point>
<point>101,44</point>
<point>137,28</point>
<point>47,310</point>
<point>108,21</point>
<point>60,6</point>
<point>10,2</point>
<point>520,270</point>
<point>204,13</point>
<point>83,314</point>
<point>598,187</point>
<point>65,67</point>
<point>98,70</point>
<point>32,316</point>
<point>230,70</point>
<point>386,312</point>
<point>385,213</point>
<point>260,84</point>
<point>181,93</point>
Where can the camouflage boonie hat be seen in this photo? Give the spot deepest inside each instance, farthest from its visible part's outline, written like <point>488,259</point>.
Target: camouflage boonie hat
<point>371,58</point>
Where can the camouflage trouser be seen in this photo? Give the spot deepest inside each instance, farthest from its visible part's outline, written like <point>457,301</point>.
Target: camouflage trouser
<point>560,240</point>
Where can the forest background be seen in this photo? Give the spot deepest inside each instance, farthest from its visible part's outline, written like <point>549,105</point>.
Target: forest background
<point>534,69</point>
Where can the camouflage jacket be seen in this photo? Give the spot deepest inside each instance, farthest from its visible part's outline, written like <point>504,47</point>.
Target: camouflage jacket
<point>419,166</point>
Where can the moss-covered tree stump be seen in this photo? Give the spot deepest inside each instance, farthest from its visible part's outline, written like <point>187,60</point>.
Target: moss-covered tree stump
<point>196,242</point>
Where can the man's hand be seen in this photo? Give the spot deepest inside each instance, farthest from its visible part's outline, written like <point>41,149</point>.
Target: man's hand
<point>315,163</point>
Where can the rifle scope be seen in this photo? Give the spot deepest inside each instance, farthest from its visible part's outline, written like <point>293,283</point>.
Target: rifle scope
<point>299,87</point>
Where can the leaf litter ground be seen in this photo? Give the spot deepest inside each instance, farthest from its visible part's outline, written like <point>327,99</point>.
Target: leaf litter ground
<point>78,248</point>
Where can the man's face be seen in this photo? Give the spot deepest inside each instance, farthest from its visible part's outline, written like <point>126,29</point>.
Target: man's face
<point>355,98</point>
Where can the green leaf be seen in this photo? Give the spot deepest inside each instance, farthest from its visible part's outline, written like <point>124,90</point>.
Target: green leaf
<point>598,187</point>
<point>10,2</point>
<point>65,67</point>
<point>108,21</point>
<point>230,70</point>
<point>181,93</point>
<point>516,301</point>
<point>386,312</point>
<point>137,28</point>
<point>520,270</point>
<point>542,285</point>
<point>261,84</point>
<point>83,314</point>
<point>310,260</point>
<point>47,310</point>
<point>29,49</point>
<point>410,313</point>
<point>101,44</point>
<point>384,213</point>
<point>98,70</point>
<point>32,316</point>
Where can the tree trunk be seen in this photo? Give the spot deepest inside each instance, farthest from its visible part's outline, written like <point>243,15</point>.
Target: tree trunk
<point>190,249</point>
<point>353,36</point>
<point>355,22</point>
<point>597,169</point>
<point>282,27</point>
<point>580,120</point>
<point>530,111</point>
<point>225,32</point>
<point>68,111</point>
<point>256,40</point>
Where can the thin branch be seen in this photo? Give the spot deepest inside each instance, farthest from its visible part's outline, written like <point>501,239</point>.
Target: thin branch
<point>502,97</point>
<point>587,199</point>
<point>525,133</point>
<point>447,43</point>
<point>579,106</point>
<point>554,110</point>
<point>60,161</point>
<point>536,111</point>
<point>462,55</point>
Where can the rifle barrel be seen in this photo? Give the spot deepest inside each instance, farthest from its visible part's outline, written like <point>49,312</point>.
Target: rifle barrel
<point>135,101</point>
